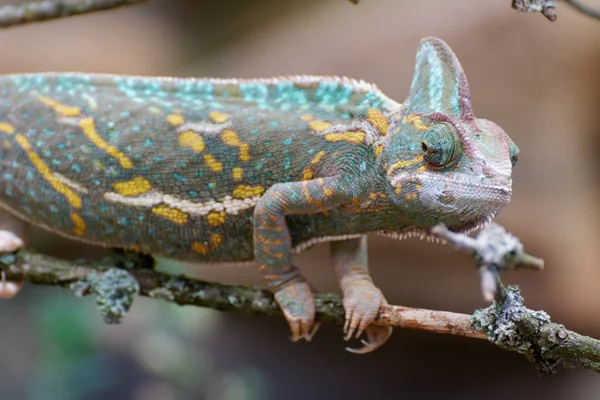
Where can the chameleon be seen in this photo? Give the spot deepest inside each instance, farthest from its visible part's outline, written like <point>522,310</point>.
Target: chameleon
<point>227,171</point>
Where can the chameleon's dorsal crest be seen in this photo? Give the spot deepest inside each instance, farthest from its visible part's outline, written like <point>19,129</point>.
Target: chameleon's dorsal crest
<point>439,83</point>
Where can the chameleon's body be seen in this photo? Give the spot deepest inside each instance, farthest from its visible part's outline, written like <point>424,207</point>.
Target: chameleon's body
<point>222,171</point>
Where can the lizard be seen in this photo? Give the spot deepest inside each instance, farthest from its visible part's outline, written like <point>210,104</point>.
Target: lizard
<point>254,171</point>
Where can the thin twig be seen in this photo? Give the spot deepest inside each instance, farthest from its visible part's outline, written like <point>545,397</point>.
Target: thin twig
<point>37,11</point>
<point>584,8</point>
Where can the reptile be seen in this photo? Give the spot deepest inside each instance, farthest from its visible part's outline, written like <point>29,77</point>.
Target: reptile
<point>253,171</point>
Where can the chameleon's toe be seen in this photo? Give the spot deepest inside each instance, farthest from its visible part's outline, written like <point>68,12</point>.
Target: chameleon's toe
<point>297,304</point>
<point>8,289</point>
<point>361,303</point>
<point>9,242</point>
<point>376,336</point>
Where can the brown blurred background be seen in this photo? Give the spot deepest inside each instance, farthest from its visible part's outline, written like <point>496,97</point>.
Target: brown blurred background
<point>539,80</point>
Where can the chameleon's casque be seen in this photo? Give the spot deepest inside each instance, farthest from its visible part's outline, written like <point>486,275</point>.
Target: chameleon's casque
<point>226,170</point>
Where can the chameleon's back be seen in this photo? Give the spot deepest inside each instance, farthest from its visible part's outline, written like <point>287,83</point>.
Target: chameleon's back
<point>167,165</point>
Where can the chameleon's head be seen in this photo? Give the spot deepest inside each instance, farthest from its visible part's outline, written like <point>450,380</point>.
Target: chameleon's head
<point>443,164</point>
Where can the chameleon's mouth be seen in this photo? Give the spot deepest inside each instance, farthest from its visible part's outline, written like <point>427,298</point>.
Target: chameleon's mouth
<point>422,233</point>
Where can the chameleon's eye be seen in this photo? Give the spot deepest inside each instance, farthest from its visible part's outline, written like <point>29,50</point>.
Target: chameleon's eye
<point>441,145</point>
<point>514,153</point>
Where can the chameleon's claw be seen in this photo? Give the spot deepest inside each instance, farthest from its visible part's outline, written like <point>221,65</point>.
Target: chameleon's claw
<point>312,333</point>
<point>361,302</point>
<point>9,289</point>
<point>301,331</point>
<point>9,242</point>
<point>359,333</point>
<point>488,284</point>
<point>296,302</point>
<point>376,337</point>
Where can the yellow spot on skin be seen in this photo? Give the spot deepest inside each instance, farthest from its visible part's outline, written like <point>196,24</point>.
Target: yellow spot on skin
<point>319,125</point>
<point>217,117</point>
<point>237,174</point>
<point>172,214</point>
<point>404,164</point>
<point>328,192</point>
<point>211,162</point>
<point>352,137</point>
<point>134,187</point>
<point>378,150</point>
<point>175,119</point>
<point>247,191</point>
<point>308,173</point>
<point>413,195</point>
<point>59,108</point>
<point>306,192</point>
<point>422,168</point>
<point>378,120</point>
<point>192,140</point>
<point>398,188</point>
<point>7,128</point>
<point>71,196</point>
<point>215,240</point>
<point>244,152</point>
<point>79,228</point>
<point>231,138</point>
<point>216,218</point>
<point>317,158</point>
<point>307,117</point>
<point>416,121</point>
<point>98,166</point>
<point>89,130</point>
<point>200,248</point>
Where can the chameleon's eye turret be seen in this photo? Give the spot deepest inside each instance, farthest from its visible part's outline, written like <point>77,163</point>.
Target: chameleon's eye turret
<point>441,145</point>
<point>514,153</point>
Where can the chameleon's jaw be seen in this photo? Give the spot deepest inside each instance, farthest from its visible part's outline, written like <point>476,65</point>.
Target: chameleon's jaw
<point>458,201</point>
<point>426,234</point>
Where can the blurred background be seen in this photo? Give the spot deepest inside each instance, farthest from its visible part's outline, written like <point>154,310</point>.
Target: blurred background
<point>539,80</point>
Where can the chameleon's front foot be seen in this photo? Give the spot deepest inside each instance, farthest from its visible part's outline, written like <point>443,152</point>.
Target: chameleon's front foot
<point>9,242</point>
<point>296,301</point>
<point>362,300</point>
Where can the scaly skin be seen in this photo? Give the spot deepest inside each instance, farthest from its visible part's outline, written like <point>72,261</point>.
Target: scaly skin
<point>220,171</point>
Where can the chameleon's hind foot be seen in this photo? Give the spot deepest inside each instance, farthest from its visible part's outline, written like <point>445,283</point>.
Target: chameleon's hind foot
<point>376,336</point>
<point>9,242</point>
<point>362,300</point>
<point>296,302</point>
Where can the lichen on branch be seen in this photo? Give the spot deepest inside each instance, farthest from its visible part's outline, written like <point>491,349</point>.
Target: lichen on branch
<point>37,11</point>
<point>119,278</point>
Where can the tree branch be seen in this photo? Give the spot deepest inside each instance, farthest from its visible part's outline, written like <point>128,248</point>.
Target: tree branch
<point>26,266</point>
<point>38,11</point>
<point>119,278</point>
